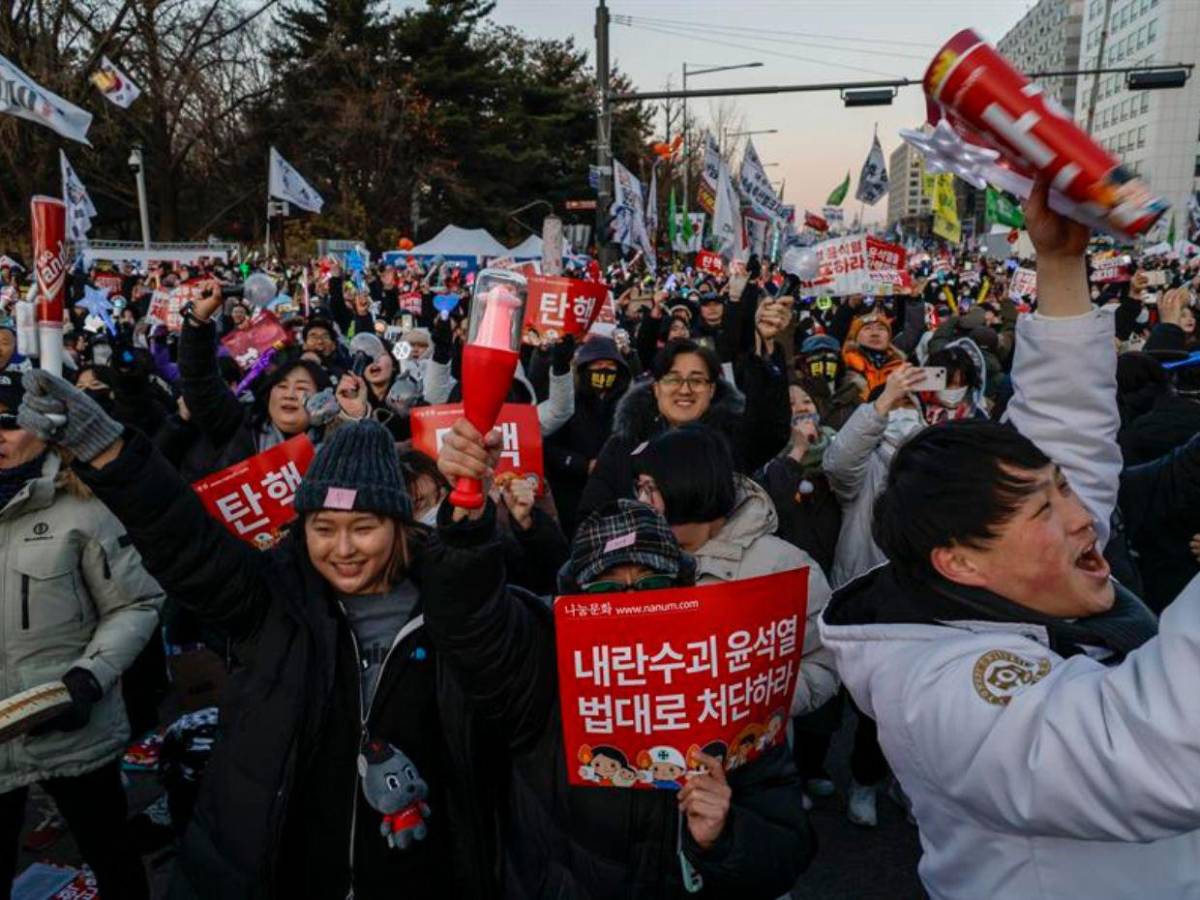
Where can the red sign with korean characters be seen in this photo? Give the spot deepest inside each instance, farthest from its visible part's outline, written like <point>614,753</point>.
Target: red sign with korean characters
<point>707,261</point>
<point>254,498</point>
<point>520,435</point>
<point>559,306</point>
<point>649,679</point>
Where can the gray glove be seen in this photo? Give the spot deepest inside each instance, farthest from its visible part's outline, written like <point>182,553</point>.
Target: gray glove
<point>322,408</point>
<point>57,412</point>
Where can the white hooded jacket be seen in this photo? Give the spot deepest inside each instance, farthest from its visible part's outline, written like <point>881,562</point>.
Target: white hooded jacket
<point>1031,775</point>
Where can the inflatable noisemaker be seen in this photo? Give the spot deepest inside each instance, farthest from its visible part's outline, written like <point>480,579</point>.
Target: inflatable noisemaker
<point>49,218</point>
<point>989,102</point>
<point>489,360</point>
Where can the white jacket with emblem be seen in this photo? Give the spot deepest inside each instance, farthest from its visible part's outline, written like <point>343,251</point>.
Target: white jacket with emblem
<point>1030,775</point>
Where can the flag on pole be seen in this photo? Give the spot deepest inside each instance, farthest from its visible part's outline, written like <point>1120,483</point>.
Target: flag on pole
<point>873,179</point>
<point>1003,209</point>
<point>706,193</point>
<point>114,84</point>
<point>755,187</point>
<point>672,225</point>
<point>945,209</point>
<point>1193,205</point>
<point>1171,230</point>
<point>727,218</point>
<point>815,222</point>
<point>24,98</point>
<point>285,183</point>
<point>689,232</point>
<point>652,205</point>
<point>80,210</point>
<point>838,194</point>
<point>629,212</point>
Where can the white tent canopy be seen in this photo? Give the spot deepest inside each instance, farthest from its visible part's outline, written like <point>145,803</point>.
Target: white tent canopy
<point>455,241</point>
<point>530,248</point>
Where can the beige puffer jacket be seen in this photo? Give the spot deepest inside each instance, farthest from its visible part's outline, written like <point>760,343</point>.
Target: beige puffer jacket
<point>73,593</point>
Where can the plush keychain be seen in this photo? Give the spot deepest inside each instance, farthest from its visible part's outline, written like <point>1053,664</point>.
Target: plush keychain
<point>394,788</point>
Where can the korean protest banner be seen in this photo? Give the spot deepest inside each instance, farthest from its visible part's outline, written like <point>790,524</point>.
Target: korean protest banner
<point>882,255</point>
<point>247,345</point>
<point>1112,268</point>
<point>165,305</point>
<point>520,433</point>
<point>108,281</point>
<point>253,497</point>
<point>846,263</point>
<point>559,306</point>
<point>649,679</point>
<point>712,263</point>
<point>1022,284</point>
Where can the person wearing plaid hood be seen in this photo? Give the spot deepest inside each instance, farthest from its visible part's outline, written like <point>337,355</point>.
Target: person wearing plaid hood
<point>741,833</point>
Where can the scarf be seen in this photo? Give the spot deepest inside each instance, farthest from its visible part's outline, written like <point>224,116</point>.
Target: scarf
<point>12,480</point>
<point>815,454</point>
<point>877,358</point>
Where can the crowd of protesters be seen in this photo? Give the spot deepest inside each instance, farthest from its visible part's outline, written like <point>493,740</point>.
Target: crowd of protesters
<point>1001,576</point>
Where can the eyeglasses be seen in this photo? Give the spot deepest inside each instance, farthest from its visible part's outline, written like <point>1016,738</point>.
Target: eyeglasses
<point>694,382</point>
<point>645,583</point>
<point>8,422</point>
<point>645,490</point>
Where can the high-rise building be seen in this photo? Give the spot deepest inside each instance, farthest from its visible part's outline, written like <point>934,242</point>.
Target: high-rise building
<point>907,202</point>
<point>1156,133</point>
<point>1047,39</point>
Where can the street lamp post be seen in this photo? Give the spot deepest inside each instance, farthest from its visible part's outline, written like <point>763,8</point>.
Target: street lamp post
<point>729,134</point>
<point>137,165</point>
<point>686,157</point>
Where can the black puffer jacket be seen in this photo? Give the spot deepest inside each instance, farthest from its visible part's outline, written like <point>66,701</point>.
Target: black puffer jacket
<point>1160,504</point>
<point>756,424</point>
<point>584,843</point>
<point>1172,422</point>
<point>281,802</point>
<point>570,450</point>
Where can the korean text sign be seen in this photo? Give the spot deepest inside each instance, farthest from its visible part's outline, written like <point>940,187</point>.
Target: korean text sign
<point>649,679</point>
<point>254,498</point>
<point>520,435</point>
<point>559,306</point>
<point>707,261</point>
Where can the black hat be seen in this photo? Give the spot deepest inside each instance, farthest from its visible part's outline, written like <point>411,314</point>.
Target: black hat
<point>319,322</point>
<point>356,469</point>
<point>624,532</point>
<point>11,390</point>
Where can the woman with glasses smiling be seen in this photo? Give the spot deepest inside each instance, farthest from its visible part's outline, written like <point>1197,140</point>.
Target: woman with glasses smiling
<point>687,387</point>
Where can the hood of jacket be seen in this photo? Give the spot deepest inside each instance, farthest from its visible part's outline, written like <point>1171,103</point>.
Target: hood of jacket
<point>753,516</point>
<point>594,349</point>
<point>39,492</point>
<point>638,419</point>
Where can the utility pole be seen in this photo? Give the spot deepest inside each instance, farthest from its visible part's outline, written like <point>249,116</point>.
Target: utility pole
<point>604,191</point>
<point>1099,64</point>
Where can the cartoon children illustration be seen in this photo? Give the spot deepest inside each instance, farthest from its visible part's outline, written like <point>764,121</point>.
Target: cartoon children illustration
<point>394,787</point>
<point>775,725</point>
<point>605,765</point>
<point>715,749</point>
<point>662,767</point>
<point>744,747</point>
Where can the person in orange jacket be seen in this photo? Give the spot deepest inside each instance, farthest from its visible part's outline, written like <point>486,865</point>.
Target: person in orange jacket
<point>869,354</point>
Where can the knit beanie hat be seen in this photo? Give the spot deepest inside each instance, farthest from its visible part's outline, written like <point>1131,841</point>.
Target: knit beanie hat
<point>357,469</point>
<point>874,315</point>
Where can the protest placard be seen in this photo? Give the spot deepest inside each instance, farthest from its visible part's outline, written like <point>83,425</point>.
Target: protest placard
<point>247,345</point>
<point>559,306</point>
<point>520,434</point>
<point>648,680</point>
<point>707,261</point>
<point>1111,269</point>
<point>1022,284</point>
<point>253,497</point>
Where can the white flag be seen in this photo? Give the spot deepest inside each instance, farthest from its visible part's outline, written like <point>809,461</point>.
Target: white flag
<point>80,210</point>
<point>652,205</point>
<point>23,97</point>
<point>873,179</point>
<point>707,194</point>
<point>630,212</point>
<point>727,217</point>
<point>115,84</point>
<point>285,183</point>
<point>756,188</point>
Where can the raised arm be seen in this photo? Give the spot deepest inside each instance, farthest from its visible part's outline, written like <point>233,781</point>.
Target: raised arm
<point>214,409</point>
<point>1065,366</point>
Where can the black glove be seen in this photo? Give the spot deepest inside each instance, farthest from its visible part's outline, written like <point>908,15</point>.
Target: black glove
<point>561,355</point>
<point>85,693</point>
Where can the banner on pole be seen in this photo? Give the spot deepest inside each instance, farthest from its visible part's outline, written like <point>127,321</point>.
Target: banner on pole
<point>706,193</point>
<point>648,680</point>
<point>520,433</point>
<point>24,98</point>
<point>285,183</point>
<point>254,498</point>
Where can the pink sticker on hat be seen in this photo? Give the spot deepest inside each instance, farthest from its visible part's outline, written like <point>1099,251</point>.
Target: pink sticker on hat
<point>340,498</point>
<point>620,543</point>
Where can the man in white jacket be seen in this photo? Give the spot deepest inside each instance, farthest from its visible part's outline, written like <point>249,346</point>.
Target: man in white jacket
<point>1046,735</point>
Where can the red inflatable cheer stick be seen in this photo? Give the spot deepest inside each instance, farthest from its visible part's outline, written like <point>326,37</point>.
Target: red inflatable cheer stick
<point>489,360</point>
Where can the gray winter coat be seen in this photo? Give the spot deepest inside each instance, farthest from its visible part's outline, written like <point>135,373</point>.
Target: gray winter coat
<point>74,594</point>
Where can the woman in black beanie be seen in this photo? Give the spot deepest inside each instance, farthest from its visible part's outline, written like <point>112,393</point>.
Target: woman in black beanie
<point>350,763</point>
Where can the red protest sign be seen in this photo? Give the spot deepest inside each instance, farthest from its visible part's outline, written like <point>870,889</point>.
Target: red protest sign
<point>108,281</point>
<point>558,306</point>
<point>520,433</point>
<point>882,255</point>
<point>1023,283</point>
<point>262,333</point>
<point>1111,269</point>
<point>411,302</point>
<point>647,680</point>
<point>707,261</point>
<point>166,304</point>
<point>253,498</point>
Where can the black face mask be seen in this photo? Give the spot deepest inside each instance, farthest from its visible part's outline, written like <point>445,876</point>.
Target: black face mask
<point>102,396</point>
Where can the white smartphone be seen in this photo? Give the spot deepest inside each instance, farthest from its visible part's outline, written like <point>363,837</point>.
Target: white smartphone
<point>1156,278</point>
<point>933,379</point>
